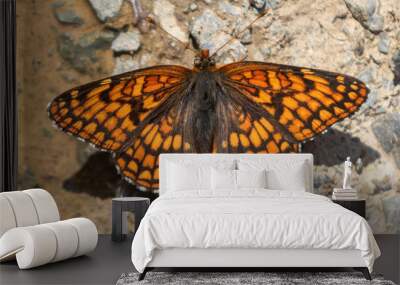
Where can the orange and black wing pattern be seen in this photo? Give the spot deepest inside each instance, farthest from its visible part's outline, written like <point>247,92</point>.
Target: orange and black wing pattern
<point>243,128</point>
<point>298,102</point>
<point>165,134</point>
<point>129,115</point>
<point>106,113</point>
<point>250,107</point>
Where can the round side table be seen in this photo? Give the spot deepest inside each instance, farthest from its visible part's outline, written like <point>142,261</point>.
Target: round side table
<point>120,206</point>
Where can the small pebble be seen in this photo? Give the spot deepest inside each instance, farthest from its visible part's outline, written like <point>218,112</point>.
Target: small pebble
<point>384,43</point>
<point>193,7</point>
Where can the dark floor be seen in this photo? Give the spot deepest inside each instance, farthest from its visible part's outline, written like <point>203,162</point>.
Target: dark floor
<point>103,266</point>
<point>110,260</point>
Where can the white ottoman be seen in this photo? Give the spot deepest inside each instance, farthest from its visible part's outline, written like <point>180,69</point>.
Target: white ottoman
<point>31,232</point>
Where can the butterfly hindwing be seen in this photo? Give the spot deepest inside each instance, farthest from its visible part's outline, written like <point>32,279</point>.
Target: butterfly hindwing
<point>165,134</point>
<point>303,101</point>
<point>107,112</point>
<point>242,128</point>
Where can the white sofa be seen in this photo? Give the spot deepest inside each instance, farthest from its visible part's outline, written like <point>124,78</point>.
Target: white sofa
<point>31,230</point>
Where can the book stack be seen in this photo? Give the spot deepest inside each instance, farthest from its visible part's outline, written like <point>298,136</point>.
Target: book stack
<point>344,194</point>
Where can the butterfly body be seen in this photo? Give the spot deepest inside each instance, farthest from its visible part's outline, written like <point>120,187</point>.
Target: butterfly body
<point>205,93</point>
<point>252,107</point>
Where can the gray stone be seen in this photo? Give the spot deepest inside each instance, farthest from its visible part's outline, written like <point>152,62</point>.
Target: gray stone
<point>96,41</point>
<point>371,101</point>
<point>106,9</point>
<point>125,63</point>
<point>396,155</point>
<point>235,51</point>
<point>324,180</point>
<point>366,13</point>
<point>261,5</point>
<point>246,37</point>
<point>387,84</point>
<point>375,215</point>
<point>387,131</point>
<point>127,42</point>
<point>321,180</point>
<point>69,51</point>
<point>57,4</point>
<point>165,11</point>
<point>266,51</point>
<point>384,43</point>
<point>81,54</point>
<point>204,28</point>
<point>376,24</point>
<point>228,8</point>
<point>67,16</point>
<point>193,7</point>
<point>367,75</point>
<point>396,67</point>
<point>391,208</point>
<point>382,185</point>
<point>273,4</point>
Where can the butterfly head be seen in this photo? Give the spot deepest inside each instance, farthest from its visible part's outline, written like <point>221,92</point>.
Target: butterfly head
<point>204,60</point>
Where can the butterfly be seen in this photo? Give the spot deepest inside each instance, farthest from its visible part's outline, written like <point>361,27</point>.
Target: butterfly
<point>242,107</point>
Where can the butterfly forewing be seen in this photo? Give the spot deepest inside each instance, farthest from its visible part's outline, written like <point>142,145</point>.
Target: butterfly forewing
<point>302,101</point>
<point>107,112</point>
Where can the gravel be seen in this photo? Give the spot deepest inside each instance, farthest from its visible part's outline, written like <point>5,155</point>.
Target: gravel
<point>384,43</point>
<point>366,13</point>
<point>165,11</point>
<point>127,42</point>
<point>106,9</point>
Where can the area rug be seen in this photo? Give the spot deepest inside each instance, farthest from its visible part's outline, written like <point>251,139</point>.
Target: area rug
<point>244,278</point>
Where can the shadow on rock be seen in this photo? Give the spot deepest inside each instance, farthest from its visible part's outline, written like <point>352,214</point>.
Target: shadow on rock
<point>99,177</point>
<point>333,147</point>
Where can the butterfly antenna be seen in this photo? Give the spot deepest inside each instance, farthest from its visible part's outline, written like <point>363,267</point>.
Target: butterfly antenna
<point>151,20</point>
<point>262,14</point>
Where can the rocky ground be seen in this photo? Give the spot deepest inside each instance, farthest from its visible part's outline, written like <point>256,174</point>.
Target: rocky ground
<point>62,44</point>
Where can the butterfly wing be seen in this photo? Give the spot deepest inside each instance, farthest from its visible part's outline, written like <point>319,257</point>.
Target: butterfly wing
<point>300,102</point>
<point>131,115</point>
<point>243,127</point>
<point>106,113</point>
<point>168,132</point>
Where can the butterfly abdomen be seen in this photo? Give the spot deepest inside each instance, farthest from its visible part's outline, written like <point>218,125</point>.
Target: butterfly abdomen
<point>204,96</point>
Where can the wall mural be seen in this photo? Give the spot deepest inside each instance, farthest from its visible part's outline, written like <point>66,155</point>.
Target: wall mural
<point>153,104</point>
